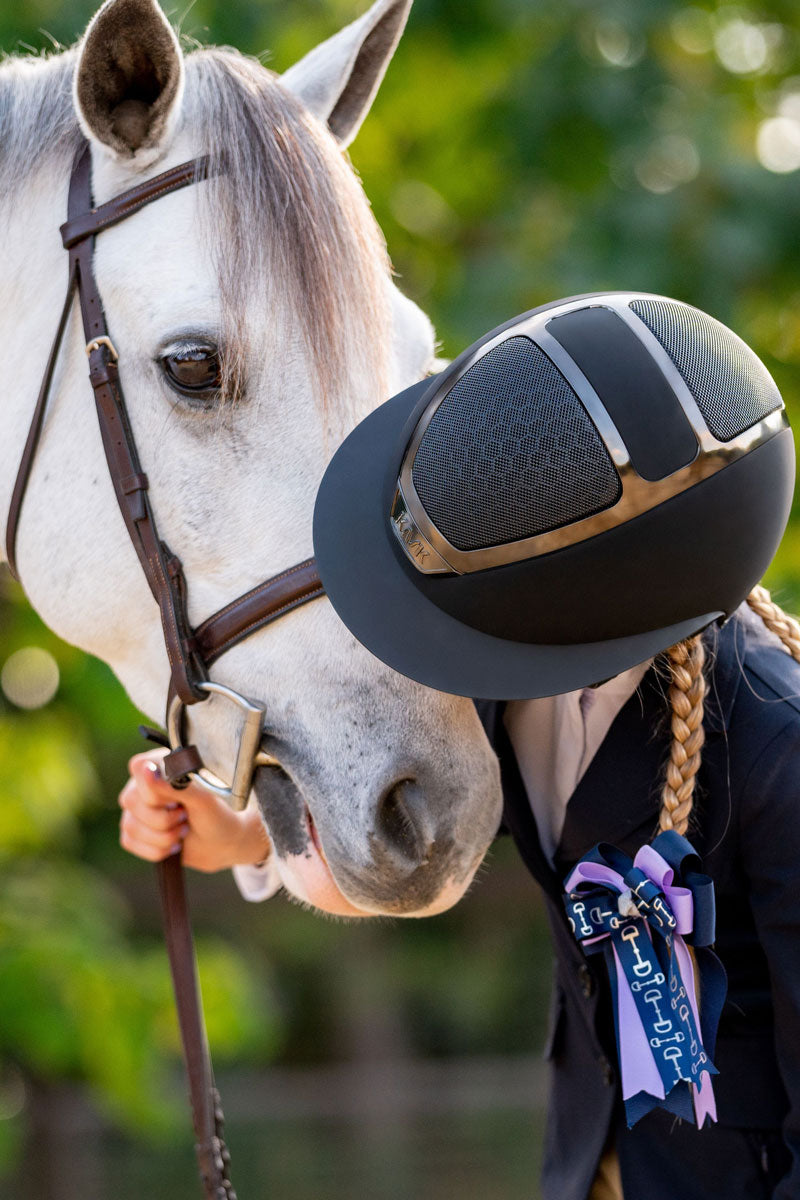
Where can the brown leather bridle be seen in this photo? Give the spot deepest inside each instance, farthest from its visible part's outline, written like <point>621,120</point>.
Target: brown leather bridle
<point>190,651</point>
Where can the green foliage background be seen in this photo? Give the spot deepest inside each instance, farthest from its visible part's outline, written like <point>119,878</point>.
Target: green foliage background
<point>518,151</point>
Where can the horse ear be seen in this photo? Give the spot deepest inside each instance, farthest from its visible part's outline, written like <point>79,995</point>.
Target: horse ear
<point>129,79</point>
<point>338,79</point>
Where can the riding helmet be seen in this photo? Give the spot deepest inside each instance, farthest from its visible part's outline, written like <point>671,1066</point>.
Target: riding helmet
<point>585,486</point>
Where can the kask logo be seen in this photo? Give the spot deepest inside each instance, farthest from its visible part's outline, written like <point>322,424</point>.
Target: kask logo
<point>410,537</point>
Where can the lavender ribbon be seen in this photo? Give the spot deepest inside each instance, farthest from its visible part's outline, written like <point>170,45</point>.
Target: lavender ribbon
<point>641,914</point>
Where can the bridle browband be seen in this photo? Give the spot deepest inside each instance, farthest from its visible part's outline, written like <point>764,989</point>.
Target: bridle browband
<point>190,651</point>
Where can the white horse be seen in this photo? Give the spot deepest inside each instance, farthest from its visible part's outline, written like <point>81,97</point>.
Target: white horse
<point>257,322</point>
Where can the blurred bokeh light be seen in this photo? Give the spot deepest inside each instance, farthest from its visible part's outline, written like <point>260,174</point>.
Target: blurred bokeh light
<point>29,677</point>
<point>779,144</point>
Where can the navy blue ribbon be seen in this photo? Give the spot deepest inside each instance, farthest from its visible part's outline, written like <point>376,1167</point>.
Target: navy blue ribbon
<point>641,915</point>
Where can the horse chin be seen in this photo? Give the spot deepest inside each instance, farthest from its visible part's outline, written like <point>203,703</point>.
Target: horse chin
<point>310,880</point>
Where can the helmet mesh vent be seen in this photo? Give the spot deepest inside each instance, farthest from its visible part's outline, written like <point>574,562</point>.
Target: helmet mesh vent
<point>511,452</point>
<point>732,387</point>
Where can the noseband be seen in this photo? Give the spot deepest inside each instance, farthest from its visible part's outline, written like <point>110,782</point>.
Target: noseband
<point>190,651</point>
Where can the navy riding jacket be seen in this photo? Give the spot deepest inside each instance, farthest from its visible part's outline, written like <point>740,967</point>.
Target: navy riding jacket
<point>746,827</point>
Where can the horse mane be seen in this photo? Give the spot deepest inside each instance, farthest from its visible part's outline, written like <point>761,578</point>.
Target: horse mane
<point>38,125</point>
<point>282,198</point>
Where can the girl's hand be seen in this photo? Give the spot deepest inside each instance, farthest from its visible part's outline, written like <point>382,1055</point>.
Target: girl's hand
<point>158,820</point>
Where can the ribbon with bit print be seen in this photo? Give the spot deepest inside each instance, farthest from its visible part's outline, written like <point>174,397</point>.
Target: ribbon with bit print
<point>643,915</point>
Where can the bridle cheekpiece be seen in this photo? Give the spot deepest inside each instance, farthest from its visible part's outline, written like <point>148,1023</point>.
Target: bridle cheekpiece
<point>190,651</point>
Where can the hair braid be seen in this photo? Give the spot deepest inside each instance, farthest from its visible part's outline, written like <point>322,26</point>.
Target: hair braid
<point>686,693</point>
<point>776,620</point>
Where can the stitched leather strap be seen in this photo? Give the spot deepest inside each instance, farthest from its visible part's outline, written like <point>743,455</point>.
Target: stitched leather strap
<point>212,1154</point>
<point>257,608</point>
<point>35,431</point>
<point>91,221</point>
<point>161,569</point>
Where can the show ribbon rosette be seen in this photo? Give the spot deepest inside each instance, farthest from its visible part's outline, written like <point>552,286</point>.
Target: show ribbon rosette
<point>643,915</point>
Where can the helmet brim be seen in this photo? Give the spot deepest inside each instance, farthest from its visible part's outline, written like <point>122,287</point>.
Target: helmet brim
<point>373,590</point>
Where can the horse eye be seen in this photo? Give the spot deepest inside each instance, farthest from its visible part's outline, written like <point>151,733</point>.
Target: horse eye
<point>194,370</point>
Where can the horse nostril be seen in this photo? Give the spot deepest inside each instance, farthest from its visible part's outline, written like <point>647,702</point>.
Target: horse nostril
<point>397,823</point>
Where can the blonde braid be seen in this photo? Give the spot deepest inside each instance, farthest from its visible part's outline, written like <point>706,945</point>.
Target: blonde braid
<point>686,693</point>
<point>776,620</point>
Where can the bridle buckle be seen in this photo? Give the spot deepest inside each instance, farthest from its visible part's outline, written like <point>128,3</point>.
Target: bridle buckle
<point>248,754</point>
<point>97,342</point>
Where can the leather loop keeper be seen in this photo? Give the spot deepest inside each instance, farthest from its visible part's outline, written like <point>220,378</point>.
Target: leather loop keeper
<point>180,762</point>
<point>135,505</point>
<point>102,370</point>
<point>133,488</point>
<point>134,483</point>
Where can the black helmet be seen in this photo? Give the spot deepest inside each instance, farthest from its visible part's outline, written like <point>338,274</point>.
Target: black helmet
<point>585,486</point>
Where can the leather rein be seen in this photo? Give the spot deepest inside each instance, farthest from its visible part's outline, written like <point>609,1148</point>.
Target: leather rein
<point>190,651</point>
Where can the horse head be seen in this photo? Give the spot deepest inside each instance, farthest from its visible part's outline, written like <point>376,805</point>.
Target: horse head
<point>256,321</point>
